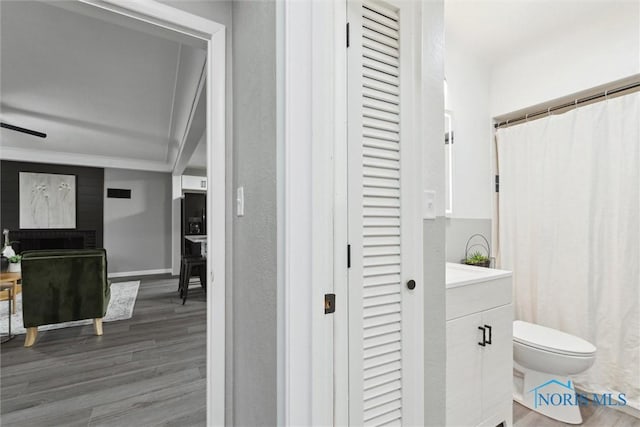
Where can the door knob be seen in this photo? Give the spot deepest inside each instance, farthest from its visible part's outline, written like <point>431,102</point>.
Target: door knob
<point>411,284</point>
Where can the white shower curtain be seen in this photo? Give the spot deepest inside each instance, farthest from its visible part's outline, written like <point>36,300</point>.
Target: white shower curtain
<point>569,229</point>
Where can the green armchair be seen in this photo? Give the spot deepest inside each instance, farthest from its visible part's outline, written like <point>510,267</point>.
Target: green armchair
<point>63,286</point>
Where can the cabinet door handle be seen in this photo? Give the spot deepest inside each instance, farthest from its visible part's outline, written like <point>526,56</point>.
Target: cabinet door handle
<point>484,339</point>
<point>489,328</point>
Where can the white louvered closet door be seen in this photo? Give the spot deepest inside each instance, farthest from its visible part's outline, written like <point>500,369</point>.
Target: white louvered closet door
<point>385,330</point>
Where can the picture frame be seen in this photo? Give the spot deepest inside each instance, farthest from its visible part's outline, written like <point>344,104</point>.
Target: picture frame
<point>47,201</point>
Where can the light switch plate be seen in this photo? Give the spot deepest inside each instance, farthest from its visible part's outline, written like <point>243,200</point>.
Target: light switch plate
<point>429,204</point>
<point>240,201</point>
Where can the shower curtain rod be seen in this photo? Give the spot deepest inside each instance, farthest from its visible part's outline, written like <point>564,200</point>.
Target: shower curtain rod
<point>574,103</point>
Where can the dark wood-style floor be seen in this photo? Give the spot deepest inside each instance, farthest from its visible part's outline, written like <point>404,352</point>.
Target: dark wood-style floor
<point>146,371</point>
<point>592,416</point>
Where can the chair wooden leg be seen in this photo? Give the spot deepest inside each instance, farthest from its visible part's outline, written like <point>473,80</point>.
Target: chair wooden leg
<point>14,294</point>
<point>32,333</point>
<point>97,326</point>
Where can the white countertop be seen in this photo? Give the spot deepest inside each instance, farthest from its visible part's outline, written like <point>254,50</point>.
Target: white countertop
<point>462,274</point>
<point>196,238</point>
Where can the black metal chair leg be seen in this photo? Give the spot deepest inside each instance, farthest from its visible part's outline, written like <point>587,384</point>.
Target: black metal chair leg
<point>181,280</point>
<point>185,290</point>
<point>203,276</point>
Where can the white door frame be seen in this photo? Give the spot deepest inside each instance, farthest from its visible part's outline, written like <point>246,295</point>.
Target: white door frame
<point>311,122</point>
<point>214,35</point>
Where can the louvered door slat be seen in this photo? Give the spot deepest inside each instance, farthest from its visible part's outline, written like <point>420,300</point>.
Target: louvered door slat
<point>386,390</point>
<point>381,88</point>
<point>371,14</point>
<point>381,66</point>
<point>386,328</point>
<point>373,182</point>
<point>390,279</point>
<point>381,173</point>
<point>383,399</point>
<point>382,10</point>
<point>372,34</point>
<point>381,410</point>
<point>382,320</point>
<point>380,56</point>
<point>386,289</point>
<point>375,23</point>
<point>372,94</point>
<point>381,115</point>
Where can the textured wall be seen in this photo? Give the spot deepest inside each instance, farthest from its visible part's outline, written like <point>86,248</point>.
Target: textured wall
<point>254,304</point>
<point>138,230</point>
<point>434,230</point>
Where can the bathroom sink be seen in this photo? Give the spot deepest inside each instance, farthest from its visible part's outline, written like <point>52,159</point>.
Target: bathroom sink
<point>463,275</point>
<point>473,289</point>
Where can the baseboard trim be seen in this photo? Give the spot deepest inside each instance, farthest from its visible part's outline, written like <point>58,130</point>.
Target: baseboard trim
<point>139,273</point>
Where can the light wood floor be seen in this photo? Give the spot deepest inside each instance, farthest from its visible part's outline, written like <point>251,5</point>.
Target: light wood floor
<point>592,416</point>
<point>146,371</point>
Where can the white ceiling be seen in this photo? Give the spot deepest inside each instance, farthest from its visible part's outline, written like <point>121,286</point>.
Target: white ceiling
<point>494,30</point>
<point>95,87</point>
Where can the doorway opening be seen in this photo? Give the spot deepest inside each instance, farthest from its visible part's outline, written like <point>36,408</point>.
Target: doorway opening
<point>152,19</point>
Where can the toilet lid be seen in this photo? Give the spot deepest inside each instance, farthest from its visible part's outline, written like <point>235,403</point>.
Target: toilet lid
<point>550,339</point>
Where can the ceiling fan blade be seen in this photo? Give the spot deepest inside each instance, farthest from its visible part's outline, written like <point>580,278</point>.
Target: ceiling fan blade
<point>23,130</point>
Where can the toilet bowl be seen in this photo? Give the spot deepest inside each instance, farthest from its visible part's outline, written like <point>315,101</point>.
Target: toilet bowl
<point>544,358</point>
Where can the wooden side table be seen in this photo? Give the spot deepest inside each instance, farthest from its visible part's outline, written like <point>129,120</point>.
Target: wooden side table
<point>12,279</point>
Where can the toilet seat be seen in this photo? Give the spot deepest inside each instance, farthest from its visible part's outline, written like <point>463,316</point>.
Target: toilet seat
<point>551,340</point>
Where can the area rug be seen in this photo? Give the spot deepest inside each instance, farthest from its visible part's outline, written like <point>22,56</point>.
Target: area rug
<point>123,299</point>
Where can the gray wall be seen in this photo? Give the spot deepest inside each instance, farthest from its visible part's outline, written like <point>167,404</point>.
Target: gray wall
<point>137,231</point>
<point>434,319</point>
<point>434,230</point>
<point>254,257</point>
<point>458,232</point>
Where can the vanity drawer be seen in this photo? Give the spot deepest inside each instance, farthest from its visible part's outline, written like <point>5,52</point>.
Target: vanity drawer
<point>476,297</point>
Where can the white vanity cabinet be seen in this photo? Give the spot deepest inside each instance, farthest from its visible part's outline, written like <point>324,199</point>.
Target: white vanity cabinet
<point>479,346</point>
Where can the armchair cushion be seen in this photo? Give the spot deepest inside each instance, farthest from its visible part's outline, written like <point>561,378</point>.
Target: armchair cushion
<point>64,285</point>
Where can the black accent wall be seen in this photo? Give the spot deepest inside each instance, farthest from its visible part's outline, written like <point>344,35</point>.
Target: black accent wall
<point>89,196</point>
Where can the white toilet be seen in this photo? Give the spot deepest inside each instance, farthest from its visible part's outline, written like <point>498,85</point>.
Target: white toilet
<point>543,360</point>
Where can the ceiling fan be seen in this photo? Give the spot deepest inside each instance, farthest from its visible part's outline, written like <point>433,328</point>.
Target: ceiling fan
<point>23,130</point>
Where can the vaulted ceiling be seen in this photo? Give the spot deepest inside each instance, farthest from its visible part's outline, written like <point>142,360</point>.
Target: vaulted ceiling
<point>106,90</point>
